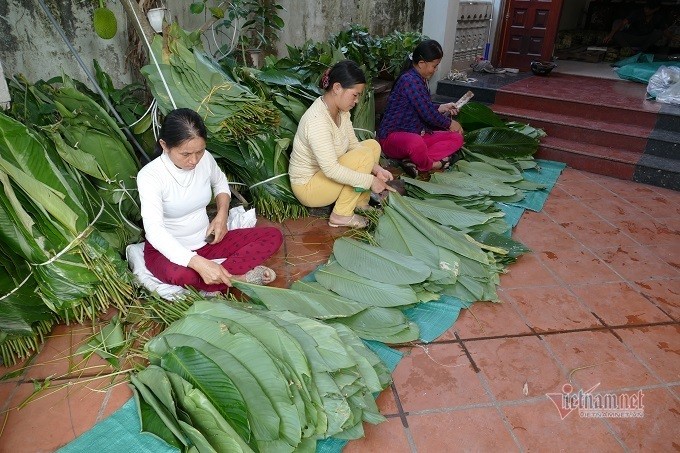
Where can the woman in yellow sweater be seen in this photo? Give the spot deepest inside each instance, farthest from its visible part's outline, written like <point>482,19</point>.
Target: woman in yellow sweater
<point>328,164</point>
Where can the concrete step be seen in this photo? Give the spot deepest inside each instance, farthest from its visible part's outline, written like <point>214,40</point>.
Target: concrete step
<point>602,133</point>
<point>655,170</point>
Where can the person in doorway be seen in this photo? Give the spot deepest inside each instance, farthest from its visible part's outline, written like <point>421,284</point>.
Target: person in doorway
<point>414,129</point>
<point>328,164</point>
<point>640,30</point>
<point>181,241</point>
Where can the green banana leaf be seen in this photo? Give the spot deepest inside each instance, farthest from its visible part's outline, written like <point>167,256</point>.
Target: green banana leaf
<point>474,115</point>
<point>264,420</point>
<point>204,374</point>
<point>500,142</point>
<point>376,263</point>
<point>205,419</point>
<point>369,292</point>
<point>387,325</point>
<point>320,306</point>
<point>243,348</point>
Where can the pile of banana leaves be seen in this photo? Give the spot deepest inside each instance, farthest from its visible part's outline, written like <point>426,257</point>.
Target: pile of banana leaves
<point>233,377</point>
<point>67,208</point>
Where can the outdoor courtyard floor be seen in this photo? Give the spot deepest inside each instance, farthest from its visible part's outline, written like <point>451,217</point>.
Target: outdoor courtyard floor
<point>596,306</point>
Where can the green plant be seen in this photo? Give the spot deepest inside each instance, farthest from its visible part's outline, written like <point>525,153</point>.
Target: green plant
<point>255,22</point>
<point>393,50</point>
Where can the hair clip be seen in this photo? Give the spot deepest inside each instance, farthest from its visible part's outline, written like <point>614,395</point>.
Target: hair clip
<point>325,78</point>
<point>410,56</point>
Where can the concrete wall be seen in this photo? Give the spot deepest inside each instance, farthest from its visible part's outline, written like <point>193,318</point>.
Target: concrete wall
<point>319,19</point>
<point>30,45</point>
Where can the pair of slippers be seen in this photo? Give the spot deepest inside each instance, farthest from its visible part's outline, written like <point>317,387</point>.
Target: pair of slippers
<point>485,66</point>
<point>411,170</point>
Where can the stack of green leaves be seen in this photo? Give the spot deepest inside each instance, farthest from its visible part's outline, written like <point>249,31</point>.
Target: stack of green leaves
<point>370,307</point>
<point>232,377</point>
<point>49,215</point>
<point>460,266</point>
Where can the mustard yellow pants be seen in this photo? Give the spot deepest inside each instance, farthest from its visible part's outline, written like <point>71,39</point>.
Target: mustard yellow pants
<point>321,191</point>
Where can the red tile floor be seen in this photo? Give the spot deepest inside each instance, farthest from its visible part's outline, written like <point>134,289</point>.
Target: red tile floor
<point>596,303</point>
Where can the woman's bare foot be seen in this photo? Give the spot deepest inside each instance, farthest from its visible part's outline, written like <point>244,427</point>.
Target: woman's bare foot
<point>260,275</point>
<point>353,221</point>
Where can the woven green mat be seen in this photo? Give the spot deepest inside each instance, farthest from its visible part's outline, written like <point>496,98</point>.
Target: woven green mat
<point>121,431</point>
<point>546,173</point>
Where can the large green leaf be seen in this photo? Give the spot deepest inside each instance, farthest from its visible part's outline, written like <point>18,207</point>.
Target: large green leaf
<point>379,264</point>
<point>218,433</point>
<point>387,325</point>
<point>500,142</point>
<point>319,306</point>
<point>443,237</point>
<point>243,348</point>
<point>206,376</point>
<point>50,199</point>
<point>263,419</point>
<point>280,345</point>
<point>475,115</point>
<point>348,284</point>
<point>152,423</point>
<point>450,214</point>
<point>166,416</point>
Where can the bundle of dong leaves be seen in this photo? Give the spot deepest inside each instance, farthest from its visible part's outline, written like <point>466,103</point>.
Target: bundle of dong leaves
<point>238,378</point>
<point>66,207</point>
<point>218,375</point>
<point>243,128</point>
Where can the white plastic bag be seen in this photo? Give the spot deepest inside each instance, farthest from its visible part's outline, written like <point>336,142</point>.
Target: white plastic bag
<point>240,218</point>
<point>664,85</point>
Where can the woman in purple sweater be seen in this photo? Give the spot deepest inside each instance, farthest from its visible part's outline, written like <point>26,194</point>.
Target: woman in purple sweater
<point>414,129</point>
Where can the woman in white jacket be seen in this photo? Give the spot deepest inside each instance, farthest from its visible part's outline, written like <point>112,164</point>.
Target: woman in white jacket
<point>181,241</point>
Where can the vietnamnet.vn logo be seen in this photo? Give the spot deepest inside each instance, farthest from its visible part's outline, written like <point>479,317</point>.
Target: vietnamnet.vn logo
<point>597,405</point>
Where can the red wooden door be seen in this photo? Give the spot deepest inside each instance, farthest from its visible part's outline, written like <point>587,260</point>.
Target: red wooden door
<point>528,32</point>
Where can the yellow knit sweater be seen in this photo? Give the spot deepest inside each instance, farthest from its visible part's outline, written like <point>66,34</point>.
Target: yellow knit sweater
<point>317,145</point>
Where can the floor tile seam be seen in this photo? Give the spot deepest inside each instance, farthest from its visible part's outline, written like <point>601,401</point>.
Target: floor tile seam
<point>675,394</point>
<point>559,332</point>
<point>642,361</point>
<point>480,405</point>
<point>400,407</point>
<point>608,221</point>
<point>633,287</point>
<point>630,283</point>
<point>635,388</point>
<point>592,251</point>
<point>661,382</point>
<point>492,397</point>
<point>411,441</point>
<point>102,408</point>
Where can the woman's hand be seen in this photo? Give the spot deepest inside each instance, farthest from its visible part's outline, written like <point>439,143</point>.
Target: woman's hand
<point>448,109</point>
<point>379,186</point>
<point>456,127</point>
<point>381,173</point>
<point>211,272</point>
<point>218,227</point>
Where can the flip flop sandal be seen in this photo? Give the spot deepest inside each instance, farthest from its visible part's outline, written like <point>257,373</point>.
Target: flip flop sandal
<point>256,275</point>
<point>409,168</point>
<point>356,221</point>
<point>398,185</point>
<point>446,163</point>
